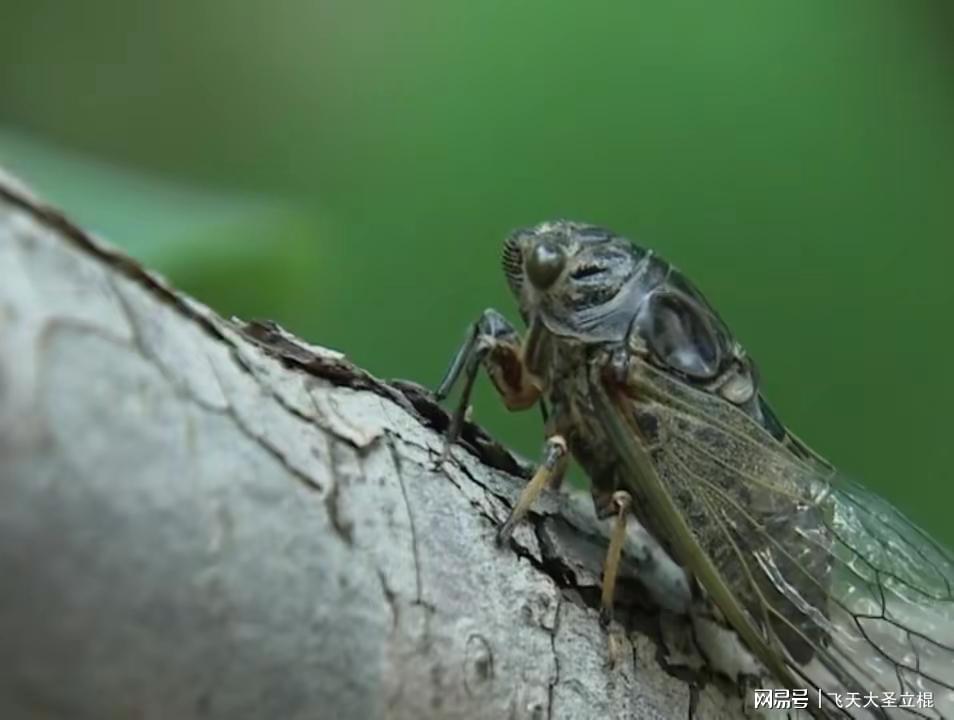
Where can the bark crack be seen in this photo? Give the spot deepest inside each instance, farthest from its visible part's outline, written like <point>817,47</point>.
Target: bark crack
<point>399,469</point>
<point>343,527</point>
<point>556,659</point>
<point>391,598</point>
<point>116,260</point>
<point>183,390</point>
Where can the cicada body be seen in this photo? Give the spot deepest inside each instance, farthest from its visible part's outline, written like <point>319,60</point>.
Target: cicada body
<point>831,588</point>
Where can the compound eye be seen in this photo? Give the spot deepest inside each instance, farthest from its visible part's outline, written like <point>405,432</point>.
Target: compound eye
<point>544,264</point>
<point>681,337</point>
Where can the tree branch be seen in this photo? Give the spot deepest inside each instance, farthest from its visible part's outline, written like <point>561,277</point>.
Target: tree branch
<point>203,518</point>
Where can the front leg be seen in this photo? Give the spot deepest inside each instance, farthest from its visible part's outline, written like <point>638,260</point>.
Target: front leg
<point>494,343</point>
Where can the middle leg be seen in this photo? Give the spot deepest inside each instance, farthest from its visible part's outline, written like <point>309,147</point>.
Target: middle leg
<point>550,472</point>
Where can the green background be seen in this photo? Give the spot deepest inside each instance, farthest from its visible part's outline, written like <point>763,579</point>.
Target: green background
<point>351,168</point>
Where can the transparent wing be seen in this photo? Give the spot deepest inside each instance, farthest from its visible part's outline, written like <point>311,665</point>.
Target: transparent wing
<point>855,598</point>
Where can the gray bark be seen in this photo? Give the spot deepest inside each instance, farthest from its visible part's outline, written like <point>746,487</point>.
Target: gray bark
<point>204,518</point>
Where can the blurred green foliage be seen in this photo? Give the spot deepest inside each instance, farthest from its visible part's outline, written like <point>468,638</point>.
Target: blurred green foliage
<point>350,169</point>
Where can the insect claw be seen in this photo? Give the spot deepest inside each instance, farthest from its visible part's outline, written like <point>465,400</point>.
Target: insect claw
<point>446,452</point>
<point>622,500</point>
<point>615,649</point>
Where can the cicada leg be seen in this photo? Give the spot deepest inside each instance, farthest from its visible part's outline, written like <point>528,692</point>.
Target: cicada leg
<point>621,503</point>
<point>550,472</point>
<point>494,343</point>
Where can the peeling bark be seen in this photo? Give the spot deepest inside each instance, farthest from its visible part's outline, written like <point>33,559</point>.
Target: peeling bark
<point>205,518</point>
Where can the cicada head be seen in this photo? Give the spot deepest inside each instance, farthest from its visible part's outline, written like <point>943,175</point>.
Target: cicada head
<point>574,277</point>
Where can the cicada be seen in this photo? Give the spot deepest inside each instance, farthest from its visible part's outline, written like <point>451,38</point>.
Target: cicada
<point>833,590</point>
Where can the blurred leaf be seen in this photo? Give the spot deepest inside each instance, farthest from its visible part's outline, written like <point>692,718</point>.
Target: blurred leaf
<point>245,255</point>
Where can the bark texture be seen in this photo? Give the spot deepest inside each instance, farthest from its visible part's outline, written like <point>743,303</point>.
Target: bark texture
<point>201,518</point>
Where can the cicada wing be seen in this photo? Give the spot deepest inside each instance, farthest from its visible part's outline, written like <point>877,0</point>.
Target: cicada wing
<point>833,583</point>
<point>666,515</point>
<point>892,600</point>
<point>859,598</point>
